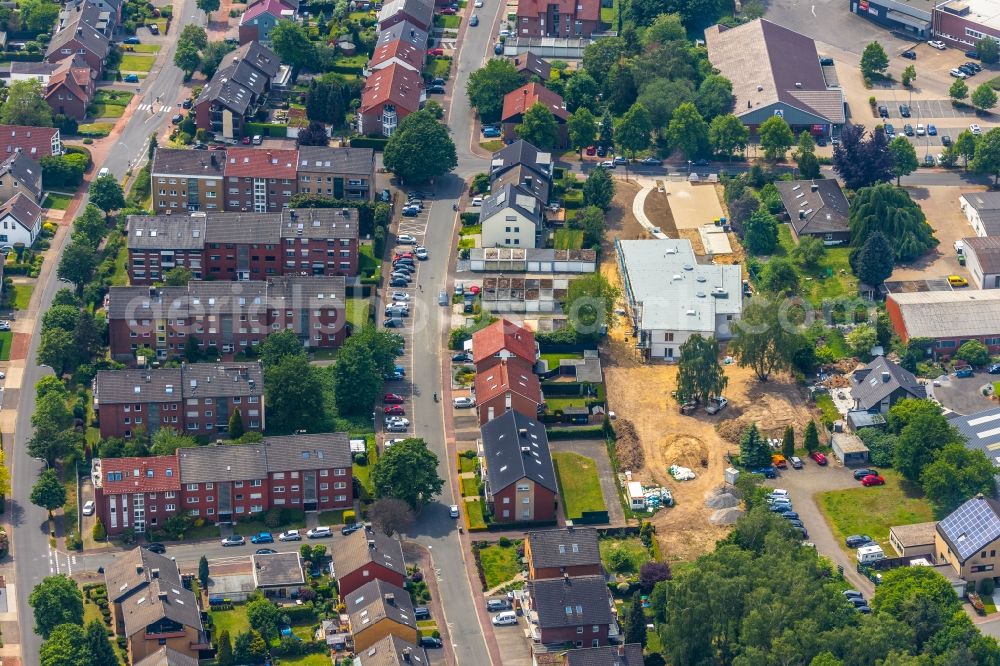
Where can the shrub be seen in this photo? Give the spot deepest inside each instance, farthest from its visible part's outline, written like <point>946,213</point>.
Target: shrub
<point>503,542</point>
<point>99,533</point>
<point>272,518</point>
<point>87,141</point>
<point>350,517</point>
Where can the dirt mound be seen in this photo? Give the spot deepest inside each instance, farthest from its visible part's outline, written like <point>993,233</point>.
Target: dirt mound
<point>685,451</point>
<point>721,501</point>
<point>725,516</point>
<point>628,447</point>
<point>731,430</point>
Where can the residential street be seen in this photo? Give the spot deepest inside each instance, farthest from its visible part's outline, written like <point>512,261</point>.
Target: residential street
<point>31,554</point>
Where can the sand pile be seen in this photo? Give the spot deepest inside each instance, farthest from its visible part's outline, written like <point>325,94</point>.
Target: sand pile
<point>685,451</point>
<point>725,516</point>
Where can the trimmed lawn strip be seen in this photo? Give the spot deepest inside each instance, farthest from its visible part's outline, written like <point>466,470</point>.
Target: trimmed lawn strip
<point>145,48</point>
<point>467,464</point>
<point>136,63</point>
<point>234,621</point>
<point>6,339</point>
<point>493,145</point>
<point>873,511</point>
<point>578,483</point>
<point>442,21</point>
<point>568,239</point>
<point>474,509</point>
<point>335,517</point>
<point>250,527</point>
<point>553,358</point>
<point>825,404</point>
<point>499,564</point>
<point>95,129</point>
<point>470,487</point>
<point>120,277</point>
<point>357,311</point>
<point>554,404</point>
<point>108,111</point>
<point>56,201</point>
<point>307,660</point>
<point>22,295</point>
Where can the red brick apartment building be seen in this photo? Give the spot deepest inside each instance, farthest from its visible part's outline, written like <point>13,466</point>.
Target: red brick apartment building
<point>519,477</point>
<point>569,551</point>
<point>197,399</point>
<point>561,18</point>
<point>367,555</point>
<point>228,317</point>
<point>244,246</point>
<point>507,386</point>
<point>575,610</point>
<point>224,483</point>
<point>500,340</point>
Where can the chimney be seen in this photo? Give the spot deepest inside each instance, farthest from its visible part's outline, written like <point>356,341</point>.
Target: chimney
<point>390,598</point>
<point>155,573</point>
<point>406,654</point>
<point>523,432</point>
<point>162,596</point>
<point>139,569</point>
<point>814,187</point>
<point>885,375</point>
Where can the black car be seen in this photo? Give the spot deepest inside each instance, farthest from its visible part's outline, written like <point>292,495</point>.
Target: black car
<point>968,70</point>
<point>972,54</point>
<point>266,551</point>
<point>862,473</point>
<point>430,642</point>
<point>909,55</point>
<point>857,601</point>
<point>421,613</point>
<point>186,103</point>
<point>975,67</point>
<point>945,140</point>
<point>601,151</point>
<point>883,111</point>
<point>904,110</point>
<point>435,90</point>
<point>157,548</point>
<point>462,357</point>
<point>857,540</point>
<point>826,62</point>
<point>176,120</point>
<point>781,507</point>
<point>348,530</point>
<point>437,82</point>
<point>791,515</point>
<point>399,282</point>
<point>392,323</point>
<point>853,594</point>
<point>994,369</point>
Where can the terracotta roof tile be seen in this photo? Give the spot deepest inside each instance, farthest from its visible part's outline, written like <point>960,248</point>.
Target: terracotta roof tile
<point>153,474</point>
<point>517,102</point>
<point>394,84</point>
<point>400,50</point>
<point>503,335</point>
<point>261,163</point>
<point>511,374</point>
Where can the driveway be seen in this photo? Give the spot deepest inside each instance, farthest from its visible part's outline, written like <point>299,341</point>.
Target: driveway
<point>802,485</point>
<point>596,450</point>
<point>963,395</point>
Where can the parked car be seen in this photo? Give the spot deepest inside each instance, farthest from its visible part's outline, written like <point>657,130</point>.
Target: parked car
<point>131,40</point>
<point>964,372</point>
<point>435,90</point>
<point>430,642</point>
<point>392,322</point>
<point>406,239</point>
<point>863,472</point>
<point>975,67</point>
<point>397,420</point>
<point>818,457</point>
<point>262,537</point>
<point>348,530</point>
<point>497,604</point>
<point>463,402</point>
<point>442,297</point>
<point>435,51</point>
<point>957,281</point>
<point>410,212</point>
<point>768,472</point>
<point>505,618</point>
<point>392,399</point>
<point>975,129</point>
<point>498,48</point>
<point>780,507</point>
<point>945,140</point>
<point>873,480</point>
<point>921,130</point>
<point>601,151</point>
<point>904,110</point>
<point>607,164</point>
<point>994,369</point>
<point>476,201</point>
<point>794,522</point>
<point>652,161</point>
<point>399,282</point>
<point>176,120</point>
<point>422,254</point>
<point>853,594</point>
<point>937,44</point>
<point>155,547</point>
<point>909,55</point>
<point>857,540</point>
<point>932,130</point>
<point>421,613</point>
<point>265,551</point>
<point>620,161</point>
<point>319,533</point>
<point>491,132</point>
<point>958,74</point>
<point>796,462</point>
<point>790,515</point>
<point>234,540</point>
<point>908,129</point>
<point>864,610</point>
<point>290,535</point>
<point>396,427</point>
<point>890,131</point>
<point>447,11</point>
<point>969,71</point>
<point>473,21</point>
<point>462,357</point>
<point>394,410</point>
<point>716,405</point>
<point>972,54</point>
<point>88,508</point>
<point>883,111</point>
<point>453,511</point>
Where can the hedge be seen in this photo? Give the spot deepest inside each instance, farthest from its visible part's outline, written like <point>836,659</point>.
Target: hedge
<point>469,219</point>
<point>22,56</point>
<point>584,432</point>
<point>573,199</point>
<point>346,69</point>
<point>372,142</point>
<point>267,129</point>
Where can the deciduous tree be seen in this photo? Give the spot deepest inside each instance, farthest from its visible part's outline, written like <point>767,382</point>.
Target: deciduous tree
<point>106,193</point>
<point>539,127</point>
<point>590,304</point>
<point>891,211</point>
<point>48,491</point>
<point>208,6</point>
<point>391,515</point>
<point>26,104</point>
<point>874,60</point>
<point>779,276</point>
<point>809,251</point>
<point>212,55</point>
<point>633,130</point>
<point>408,471</point>
<point>862,159</point>
<point>763,339</point>
<point>101,652</point>
<point>984,97</point>
<point>987,159</point>
<point>187,58</point>
<point>760,232</point>
<point>293,394</point>
<point>987,50</point>
<point>776,137</point>
<point>688,131</point>
<point>699,374</point>
<point>861,339</point>
<point>923,436</point>
<point>314,134</point>
<point>582,92</point>
<point>263,617</point>
<point>904,157</point>
<point>488,85</point>
<point>416,137</point>
<point>55,601</point>
<point>956,475</point>
<point>908,75</point>
<point>728,135</point>
<point>805,156</point>
<point>973,352</point>
<point>591,221</point>
<point>291,43</point>
<point>67,646</point>
<point>959,90</point>
<point>166,441</point>
<point>715,96</point>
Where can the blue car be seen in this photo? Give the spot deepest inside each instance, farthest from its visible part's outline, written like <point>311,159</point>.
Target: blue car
<point>262,537</point>
<point>131,78</point>
<point>491,132</point>
<point>964,372</point>
<point>931,130</point>
<point>768,472</point>
<point>131,40</point>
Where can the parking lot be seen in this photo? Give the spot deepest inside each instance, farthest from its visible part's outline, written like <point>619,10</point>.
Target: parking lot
<point>927,108</point>
<point>963,395</point>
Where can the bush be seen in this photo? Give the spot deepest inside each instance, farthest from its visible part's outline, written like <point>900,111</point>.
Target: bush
<point>88,141</point>
<point>469,219</point>
<point>272,518</point>
<point>350,517</point>
<point>99,533</point>
<point>374,143</point>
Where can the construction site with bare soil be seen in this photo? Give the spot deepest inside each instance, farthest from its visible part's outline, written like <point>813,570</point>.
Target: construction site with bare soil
<point>657,435</point>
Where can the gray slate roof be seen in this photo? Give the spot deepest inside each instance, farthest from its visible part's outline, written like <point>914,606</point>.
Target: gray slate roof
<point>511,196</point>
<point>971,527</point>
<point>421,10</point>
<point>21,207</point>
<point>87,36</point>
<point>987,251</point>
<point>364,547</point>
<point>187,163</point>
<point>358,161</point>
<point>160,599</point>
<point>521,152</point>
<point>408,32</point>
<point>983,201</point>
<point>192,232</point>
<point>392,651</point>
<point>529,62</point>
<point>191,380</point>
<point>570,602</point>
<point>168,657</point>
<point>506,463</point>
<point>242,75</point>
<point>371,603</point>
<point>880,379</point>
<point>213,463</point>
<point>27,171</point>
<point>820,211</point>
<point>609,655</point>
<point>133,570</point>
<point>526,178</point>
<point>565,547</point>
<point>167,232</point>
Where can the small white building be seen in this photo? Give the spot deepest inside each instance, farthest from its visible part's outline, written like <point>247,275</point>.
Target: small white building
<point>982,258</point>
<point>20,221</point>
<point>982,209</point>
<point>672,296</point>
<point>511,217</point>
<point>634,495</point>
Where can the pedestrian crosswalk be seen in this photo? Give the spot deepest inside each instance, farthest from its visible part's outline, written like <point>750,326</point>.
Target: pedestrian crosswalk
<point>155,108</point>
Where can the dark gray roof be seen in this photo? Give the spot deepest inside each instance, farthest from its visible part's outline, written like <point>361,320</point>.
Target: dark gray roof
<point>158,600</point>
<point>392,651</point>
<point>814,206</point>
<point>529,62</point>
<point>511,196</point>
<point>971,527</point>
<point>360,161</point>
<point>527,179</point>
<point>981,432</point>
<point>168,657</point>
<point>376,601</point>
<point>243,74</point>
<point>609,655</point>
<point>258,55</point>
<point>406,31</point>
<point>879,379</point>
<point>167,232</point>
<point>170,384</point>
<point>564,547</point>
<point>983,201</point>
<point>33,68</point>
<point>257,459</point>
<point>506,462</point>
<point>27,171</point>
<point>187,163</point>
<point>221,380</point>
<point>277,569</point>
<point>146,303</point>
<point>88,37</point>
<point>570,602</point>
<point>987,251</point>
<point>134,569</point>
<point>421,10</point>
<point>320,223</point>
<point>305,290</point>
<point>23,209</point>
<point>521,152</point>
<point>364,547</point>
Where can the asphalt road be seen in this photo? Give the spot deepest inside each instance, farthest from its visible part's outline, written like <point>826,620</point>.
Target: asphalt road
<point>33,558</point>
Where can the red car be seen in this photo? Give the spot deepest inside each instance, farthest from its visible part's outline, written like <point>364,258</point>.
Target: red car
<point>246,141</point>
<point>474,290</point>
<point>447,11</point>
<point>435,52</point>
<point>591,150</point>
<point>873,480</point>
<point>402,255</point>
<point>818,457</point>
<point>392,399</point>
<point>395,410</point>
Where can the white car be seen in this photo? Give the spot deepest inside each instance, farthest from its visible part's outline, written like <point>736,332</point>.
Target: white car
<point>397,421</point>
<point>921,130</point>
<point>958,74</point>
<point>88,508</point>
<point>464,402</point>
<point>975,129</point>
<point>453,511</point>
<point>421,253</point>
<point>406,239</point>
<point>936,44</point>
<point>477,201</point>
<point>504,619</point>
<point>716,405</point>
<point>478,4</point>
<point>400,296</point>
<point>390,442</point>
<point>290,535</point>
<point>504,32</point>
<point>319,533</point>
<point>608,164</point>
<point>4,325</point>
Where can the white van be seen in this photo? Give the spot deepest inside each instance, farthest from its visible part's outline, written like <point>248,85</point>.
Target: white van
<point>505,618</point>
<point>103,172</point>
<point>869,554</point>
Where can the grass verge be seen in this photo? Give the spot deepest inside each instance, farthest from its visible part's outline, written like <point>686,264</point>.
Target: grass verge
<point>22,295</point>
<point>136,63</point>
<point>499,564</point>
<point>492,146</point>
<point>578,483</point>
<point>475,511</point>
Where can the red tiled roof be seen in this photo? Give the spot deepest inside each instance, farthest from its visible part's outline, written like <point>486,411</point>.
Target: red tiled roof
<point>394,84</point>
<point>400,50</point>
<point>501,335</point>
<point>517,102</point>
<point>260,162</point>
<point>511,374</point>
<point>135,474</point>
<point>583,10</point>
<point>74,75</point>
<point>33,141</point>
<point>273,7</point>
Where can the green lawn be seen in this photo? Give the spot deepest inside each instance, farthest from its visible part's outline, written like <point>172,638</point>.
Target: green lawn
<point>145,48</point>
<point>568,239</point>
<point>565,403</point>
<point>235,621</point>
<point>22,295</point>
<point>470,486</point>
<point>331,517</point>
<point>357,311</point>
<point>475,511</point>
<point>95,130</point>
<point>466,243</point>
<point>831,279</point>
<point>120,277</point>
<point>251,527</point>
<point>825,404</point>
<point>553,358</point>
<point>441,21</point>
<point>305,660</point>
<point>116,97</point>
<point>499,564</point>
<point>996,388</point>
<point>578,483</point>
<point>874,510</point>
<point>636,549</point>
<point>56,201</point>
<point>363,472</point>
<point>136,63</point>
<point>438,68</point>
<point>470,230</point>
<point>368,263</point>
<point>108,111</point>
<point>467,464</point>
<point>492,146</point>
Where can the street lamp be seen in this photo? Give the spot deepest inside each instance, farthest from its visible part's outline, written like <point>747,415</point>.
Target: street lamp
<point>44,461</point>
<point>689,167</point>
